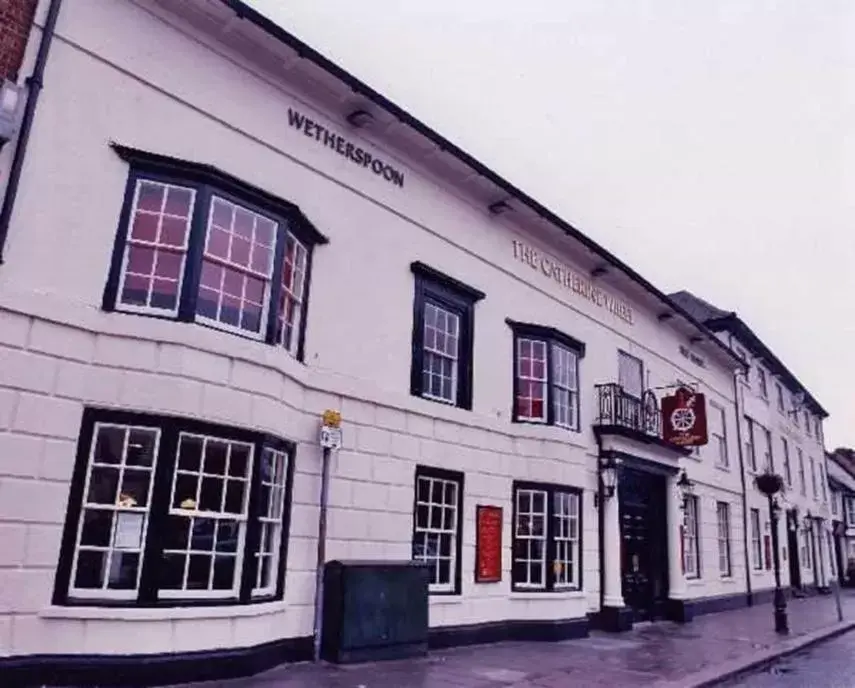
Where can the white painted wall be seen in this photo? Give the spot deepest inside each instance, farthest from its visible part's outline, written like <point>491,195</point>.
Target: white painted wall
<point>59,351</point>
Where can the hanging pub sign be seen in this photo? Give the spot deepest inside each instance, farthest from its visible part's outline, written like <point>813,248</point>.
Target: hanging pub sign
<point>684,418</point>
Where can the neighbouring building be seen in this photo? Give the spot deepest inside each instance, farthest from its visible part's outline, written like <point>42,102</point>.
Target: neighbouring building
<point>841,482</point>
<point>185,289</point>
<point>780,430</point>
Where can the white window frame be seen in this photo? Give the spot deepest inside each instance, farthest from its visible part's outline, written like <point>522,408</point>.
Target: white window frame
<point>197,514</point>
<point>779,390</point>
<point>725,565</point>
<point>822,483</point>
<point>429,353</point>
<point>814,487</point>
<point>560,538</point>
<point>271,521</point>
<point>750,444</point>
<point>802,478</point>
<point>630,371</point>
<point>849,504</point>
<point>722,459</point>
<point>756,540</point>
<point>691,538</point>
<point>768,458</point>
<point>116,509</point>
<point>155,246</point>
<point>788,469</point>
<point>762,383</point>
<point>542,381</point>
<point>430,478</point>
<point>570,388</point>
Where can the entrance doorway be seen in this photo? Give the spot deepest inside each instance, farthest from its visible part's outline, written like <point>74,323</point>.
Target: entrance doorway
<point>793,547</point>
<point>644,543</point>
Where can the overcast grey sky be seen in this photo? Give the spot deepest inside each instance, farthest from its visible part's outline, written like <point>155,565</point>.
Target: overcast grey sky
<point>711,145</point>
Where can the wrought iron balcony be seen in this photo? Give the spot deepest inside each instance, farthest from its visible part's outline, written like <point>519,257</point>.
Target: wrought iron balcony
<point>619,409</point>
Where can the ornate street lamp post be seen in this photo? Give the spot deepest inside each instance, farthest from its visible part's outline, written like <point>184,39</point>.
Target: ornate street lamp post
<point>770,484</point>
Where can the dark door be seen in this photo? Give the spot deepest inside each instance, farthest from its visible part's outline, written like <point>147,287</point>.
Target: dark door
<point>838,556</point>
<point>793,547</point>
<point>644,556</point>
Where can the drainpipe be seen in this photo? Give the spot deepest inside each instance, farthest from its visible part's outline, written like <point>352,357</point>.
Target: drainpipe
<point>34,85</point>
<point>742,478</point>
<point>601,521</point>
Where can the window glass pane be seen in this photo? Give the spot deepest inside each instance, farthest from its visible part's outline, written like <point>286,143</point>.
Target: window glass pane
<point>630,374</point>
<point>156,249</point>
<point>237,267</point>
<point>529,553</point>
<point>531,380</point>
<point>291,298</point>
<point>114,514</point>
<point>435,529</point>
<point>440,354</point>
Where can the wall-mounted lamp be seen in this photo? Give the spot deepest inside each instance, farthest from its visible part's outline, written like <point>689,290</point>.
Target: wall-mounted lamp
<point>360,119</point>
<point>499,208</point>
<point>609,476</point>
<point>10,105</point>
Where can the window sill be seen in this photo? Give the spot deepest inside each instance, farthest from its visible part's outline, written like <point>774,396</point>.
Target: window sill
<point>435,599</point>
<point>162,613</point>
<point>549,595</point>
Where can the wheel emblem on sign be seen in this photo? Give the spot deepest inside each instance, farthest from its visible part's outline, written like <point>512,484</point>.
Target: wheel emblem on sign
<point>683,419</point>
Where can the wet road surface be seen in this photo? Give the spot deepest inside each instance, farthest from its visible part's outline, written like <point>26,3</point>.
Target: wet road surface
<point>828,665</point>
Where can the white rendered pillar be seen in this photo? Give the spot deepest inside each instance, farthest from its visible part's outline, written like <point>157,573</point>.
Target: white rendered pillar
<point>676,578</point>
<point>612,593</point>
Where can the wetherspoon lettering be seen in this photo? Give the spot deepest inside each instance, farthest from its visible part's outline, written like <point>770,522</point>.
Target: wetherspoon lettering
<point>356,154</point>
<point>571,280</point>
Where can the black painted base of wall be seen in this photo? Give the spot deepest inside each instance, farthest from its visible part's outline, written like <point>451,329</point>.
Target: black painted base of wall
<point>681,611</point>
<point>380,654</point>
<point>614,619</point>
<point>497,631</point>
<point>138,671</point>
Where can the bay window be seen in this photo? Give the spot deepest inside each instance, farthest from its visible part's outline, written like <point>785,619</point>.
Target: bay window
<point>546,376</point>
<point>171,511</point>
<point>196,245</point>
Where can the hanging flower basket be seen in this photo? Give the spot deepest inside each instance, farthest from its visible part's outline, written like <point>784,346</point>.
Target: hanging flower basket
<point>769,483</point>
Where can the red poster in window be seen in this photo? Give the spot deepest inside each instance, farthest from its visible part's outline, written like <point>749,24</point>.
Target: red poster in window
<point>767,551</point>
<point>488,544</point>
<point>684,418</point>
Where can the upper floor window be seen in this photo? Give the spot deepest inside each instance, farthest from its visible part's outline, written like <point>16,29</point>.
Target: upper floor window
<point>807,423</point>
<point>546,376</point>
<point>761,383</point>
<point>818,429</point>
<point>834,505</point>
<point>547,537</point>
<point>167,510</point>
<point>768,459</point>
<point>779,393</point>
<point>822,483</point>
<point>443,331</point>
<point>631,374</point>
<point>750,451</point>
<point>814,489</point>
<point>788,472</point>
<point>850,511</point>
<point>197,245</point>
<point>802,481</point>
<point>719,434</point>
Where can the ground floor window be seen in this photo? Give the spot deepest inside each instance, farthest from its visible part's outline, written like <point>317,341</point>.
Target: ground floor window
<point>723,519</point>
<point>437,525</point>
<point>170,510</point>
<point>806,549</point>
<point>691,555</point>
<point>756,540</point>
<point>546,537</point>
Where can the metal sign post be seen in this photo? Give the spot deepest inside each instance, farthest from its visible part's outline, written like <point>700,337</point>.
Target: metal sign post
<point>330,439</point>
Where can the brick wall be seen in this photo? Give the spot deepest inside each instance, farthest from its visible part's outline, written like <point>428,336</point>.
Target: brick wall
<point>16,17</point>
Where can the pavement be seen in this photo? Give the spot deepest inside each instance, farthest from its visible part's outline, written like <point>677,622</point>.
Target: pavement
<point>710,649</point>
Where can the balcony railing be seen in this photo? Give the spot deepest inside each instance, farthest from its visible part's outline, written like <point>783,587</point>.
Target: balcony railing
<point>616,407</point>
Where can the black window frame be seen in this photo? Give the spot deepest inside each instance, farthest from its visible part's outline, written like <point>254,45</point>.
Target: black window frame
<point>550,489</point>
<point>208,181</point>
<point>423,471</point>
<point>159,507</point>
<point>433,286</point>
<point>550,336</point>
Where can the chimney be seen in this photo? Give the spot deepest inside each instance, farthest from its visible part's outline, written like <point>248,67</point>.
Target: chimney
<point>16,19</point>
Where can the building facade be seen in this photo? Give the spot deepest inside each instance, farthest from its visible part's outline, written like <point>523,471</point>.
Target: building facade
<point>780,431</point>
<point>841,483</point>
<point>259,237</point>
